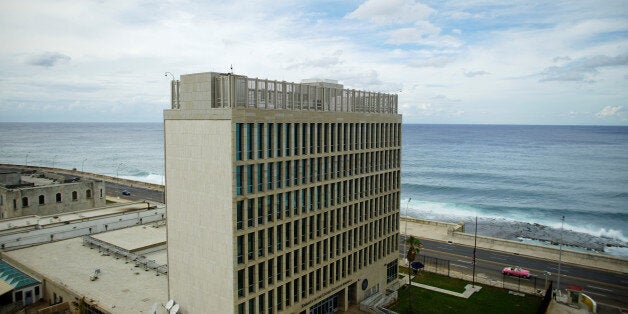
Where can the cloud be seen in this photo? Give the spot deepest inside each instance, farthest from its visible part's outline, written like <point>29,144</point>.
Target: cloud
<point>475,73</point>
<point>582,69</point>
<point>435,62</point>
<point>611,111</point>
<point>321,62</point>
<point>48,59</point>
<point>424,34</point>
<point>384,12</point>
<point>558,59</point>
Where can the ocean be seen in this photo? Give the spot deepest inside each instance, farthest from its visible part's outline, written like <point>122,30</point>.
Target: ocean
<point>519,181</point>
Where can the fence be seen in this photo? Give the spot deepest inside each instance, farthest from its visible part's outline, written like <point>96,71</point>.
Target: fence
<point>491,277</point>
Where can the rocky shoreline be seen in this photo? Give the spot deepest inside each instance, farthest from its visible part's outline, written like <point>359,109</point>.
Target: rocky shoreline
<point>511,230</point>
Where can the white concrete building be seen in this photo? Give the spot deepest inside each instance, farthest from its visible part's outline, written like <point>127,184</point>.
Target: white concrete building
<point>281,197</point>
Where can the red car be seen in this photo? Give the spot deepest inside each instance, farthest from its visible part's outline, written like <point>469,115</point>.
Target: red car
<point>517,272</point>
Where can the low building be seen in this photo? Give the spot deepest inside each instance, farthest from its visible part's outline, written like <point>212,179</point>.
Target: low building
<point>43,193</point>
<point>17,289</point>
<point>121,271</point>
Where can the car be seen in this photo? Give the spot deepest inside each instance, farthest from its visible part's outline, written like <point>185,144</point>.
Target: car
<point>517,272</point>
<point>125,192</point>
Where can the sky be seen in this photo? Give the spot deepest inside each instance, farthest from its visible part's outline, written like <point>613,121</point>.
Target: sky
<point>486,62</point>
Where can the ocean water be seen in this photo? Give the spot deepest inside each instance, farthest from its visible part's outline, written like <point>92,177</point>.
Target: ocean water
<point>521,180</point>
<point>518,180</point>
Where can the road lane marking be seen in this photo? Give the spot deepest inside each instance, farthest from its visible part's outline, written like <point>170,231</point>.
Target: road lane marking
<point>600,294</point>
<point>463,261</point>
<point>600,288</point>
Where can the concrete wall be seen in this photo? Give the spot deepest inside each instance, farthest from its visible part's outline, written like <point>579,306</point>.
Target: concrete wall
<point>51,205</point>
<point>551,253</point>
<point>201,251</point>
<point>88,175</point>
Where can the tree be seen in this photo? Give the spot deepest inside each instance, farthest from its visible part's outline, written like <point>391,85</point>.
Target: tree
<point>415,246</point>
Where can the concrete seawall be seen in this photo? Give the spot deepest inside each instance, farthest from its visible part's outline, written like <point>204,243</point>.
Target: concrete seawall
<point>443,231</point>
<point>93,176</point>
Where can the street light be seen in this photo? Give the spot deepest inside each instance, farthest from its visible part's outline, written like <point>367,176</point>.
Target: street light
<point>406,231</point>
<point>168,73</point>
<point>83,164</point>
<point>53,161</point>
<point>26,160</point>
<point>560,251</point>
<point>118,168</point>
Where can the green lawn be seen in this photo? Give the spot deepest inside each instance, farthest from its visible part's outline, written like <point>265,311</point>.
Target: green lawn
<point>436,280</point>
<point>487,300</point>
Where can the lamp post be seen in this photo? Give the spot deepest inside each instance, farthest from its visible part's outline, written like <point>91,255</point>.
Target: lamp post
<point>26,160</point>
<point>118,168</point>
<point>406,231</point>
<point>83,164</point>
<point>560,252</point>
<point>53,161</point>
<point>168,73</point>
<point>475,246</point>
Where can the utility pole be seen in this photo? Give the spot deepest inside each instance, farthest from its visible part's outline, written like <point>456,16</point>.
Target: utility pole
<point>475,245</point>
<point>405,255</point>
<point>560,251</point>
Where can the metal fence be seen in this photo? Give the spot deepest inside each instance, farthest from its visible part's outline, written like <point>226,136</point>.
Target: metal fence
<point>118,252</point>
<point>491,277</point>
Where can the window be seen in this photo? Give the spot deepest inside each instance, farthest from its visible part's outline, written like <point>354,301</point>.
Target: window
<point>24,201</point>
<point>239,180</point>
<point>238,138</point>
<point>249,140</point>
<point>88,194</point>
<point>74,195</point>
<point>241,283</point>
<point>391,273</point>
<point>42,200</point>
<point>239,215</point>
<point>58,197</point>
<point>240,249</point>
<point>249,178</point>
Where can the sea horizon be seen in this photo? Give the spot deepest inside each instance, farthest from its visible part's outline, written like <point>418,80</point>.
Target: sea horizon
<point>518,179</point>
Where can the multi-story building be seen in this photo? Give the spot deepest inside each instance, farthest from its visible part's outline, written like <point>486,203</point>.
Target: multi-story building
<point>43,193</point>
<point>281,197</point>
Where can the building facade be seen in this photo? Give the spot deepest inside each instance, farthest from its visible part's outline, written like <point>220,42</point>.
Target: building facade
<point>42,193</point>
<point>281,197</point>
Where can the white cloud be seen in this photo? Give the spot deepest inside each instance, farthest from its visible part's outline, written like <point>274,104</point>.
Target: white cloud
<point>48,59</point>
<point>106,59</point>
<point>610,111</point>
<point>475,73</point>
<point>582,69</point>
<point>392,11</point>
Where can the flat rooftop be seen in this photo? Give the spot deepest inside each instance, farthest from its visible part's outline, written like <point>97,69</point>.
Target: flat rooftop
<point>43,221</point>
<point>121,287</point>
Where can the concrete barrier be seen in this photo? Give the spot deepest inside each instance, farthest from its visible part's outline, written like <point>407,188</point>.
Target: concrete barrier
<point>93,176</point>
<point>444,231</point>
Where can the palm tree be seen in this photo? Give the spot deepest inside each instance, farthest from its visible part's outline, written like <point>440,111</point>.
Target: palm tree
<point>415,247</point>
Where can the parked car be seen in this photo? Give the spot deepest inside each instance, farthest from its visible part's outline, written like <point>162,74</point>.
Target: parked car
<point>125,192</point>
<point>516,271</point>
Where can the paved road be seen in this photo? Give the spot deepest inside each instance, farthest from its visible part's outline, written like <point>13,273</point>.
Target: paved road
<point>137,194</point>
<point>609,289</point>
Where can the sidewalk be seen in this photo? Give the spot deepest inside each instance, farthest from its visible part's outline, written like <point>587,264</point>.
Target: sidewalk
<point>468,289</point>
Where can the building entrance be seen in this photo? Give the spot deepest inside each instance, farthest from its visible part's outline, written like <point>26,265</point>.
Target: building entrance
<point>327,306</point>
